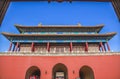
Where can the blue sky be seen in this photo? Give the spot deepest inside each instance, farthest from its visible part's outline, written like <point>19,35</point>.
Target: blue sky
<point>65,13</point>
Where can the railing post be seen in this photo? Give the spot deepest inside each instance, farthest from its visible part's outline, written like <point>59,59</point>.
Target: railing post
<point>10,47</point>
<point>108,47</point>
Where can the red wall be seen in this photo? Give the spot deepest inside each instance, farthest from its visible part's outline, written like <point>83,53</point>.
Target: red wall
<point>15,67</point>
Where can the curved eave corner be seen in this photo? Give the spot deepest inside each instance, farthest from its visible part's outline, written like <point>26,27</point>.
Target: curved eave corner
<point>112,35</point>
<point>7,35</point>
<point>18,27</point>
<point>100,27</point>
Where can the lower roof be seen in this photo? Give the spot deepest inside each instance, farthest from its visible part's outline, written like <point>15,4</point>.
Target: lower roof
<point>59,37</point>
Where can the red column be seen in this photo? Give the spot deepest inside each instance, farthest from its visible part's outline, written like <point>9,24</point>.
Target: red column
<point>32,47</point>
<point>102,46</point>
<point>86,46</point>
<point>70,46</point>
<point>13,48</point>
<point>19,47</point>
<point>99,48</point>
<point>48,47</point>
<point>10,47</point>
<point>16,47</point>
<point>108,46</point>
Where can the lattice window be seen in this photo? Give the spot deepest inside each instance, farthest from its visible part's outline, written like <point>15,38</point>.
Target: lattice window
<point>93,47</point>
<point>25,47</point>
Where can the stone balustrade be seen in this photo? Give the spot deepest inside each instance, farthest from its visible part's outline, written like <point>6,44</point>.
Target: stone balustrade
<point>29,53</point>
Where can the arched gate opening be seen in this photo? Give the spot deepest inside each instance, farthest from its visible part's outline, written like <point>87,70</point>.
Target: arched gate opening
<point>33,73</point>
<point>59,71</point>
<point>86,73</point>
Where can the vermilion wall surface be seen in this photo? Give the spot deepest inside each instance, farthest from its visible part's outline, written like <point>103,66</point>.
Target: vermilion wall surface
<point>104,67</point>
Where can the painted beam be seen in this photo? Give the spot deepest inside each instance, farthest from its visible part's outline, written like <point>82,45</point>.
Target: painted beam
<point>58,41</point>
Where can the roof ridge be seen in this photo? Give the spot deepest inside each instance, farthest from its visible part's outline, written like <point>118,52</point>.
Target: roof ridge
<point>18,25</point>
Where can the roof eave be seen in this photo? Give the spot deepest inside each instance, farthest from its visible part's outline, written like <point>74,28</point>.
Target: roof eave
<point>101,26</point>
<point>18,27</point>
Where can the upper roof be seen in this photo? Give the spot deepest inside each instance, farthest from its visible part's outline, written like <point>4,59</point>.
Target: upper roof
<point>59,28</point>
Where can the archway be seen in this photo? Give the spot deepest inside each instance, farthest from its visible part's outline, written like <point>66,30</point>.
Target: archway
<point>33,72</point>
<point>86,73</point>
<point>59,71</point>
